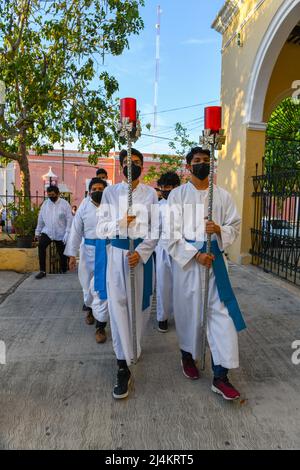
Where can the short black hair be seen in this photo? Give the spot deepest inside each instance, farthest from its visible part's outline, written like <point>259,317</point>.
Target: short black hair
<point>52,188</point>
<point>95,181</point>
<point>101,170</point>
<point>169,179</point>
<point>194,151</point>
<point>123,154</point>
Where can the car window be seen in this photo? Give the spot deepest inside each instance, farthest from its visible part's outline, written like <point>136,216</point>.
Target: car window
<point>281,224</point>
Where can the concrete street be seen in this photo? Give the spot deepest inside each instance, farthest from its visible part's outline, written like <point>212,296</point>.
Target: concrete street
<point>56,387</point>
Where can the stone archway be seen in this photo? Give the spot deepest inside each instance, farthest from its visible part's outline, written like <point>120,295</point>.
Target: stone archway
<point>274,39</point>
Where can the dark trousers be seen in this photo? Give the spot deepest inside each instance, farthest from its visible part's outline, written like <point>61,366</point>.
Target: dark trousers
<point>60,246</point>
<point>219,371</point>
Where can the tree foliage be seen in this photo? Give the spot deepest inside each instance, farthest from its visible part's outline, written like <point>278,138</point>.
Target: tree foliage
<point>179,146</point>
<point>51,61</point>
<point>283,136</point>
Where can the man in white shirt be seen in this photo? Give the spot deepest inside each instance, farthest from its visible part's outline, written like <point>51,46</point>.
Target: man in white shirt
<point>54,224</point>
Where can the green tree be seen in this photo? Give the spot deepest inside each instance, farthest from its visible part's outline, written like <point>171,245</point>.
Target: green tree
<point>180,146</point>
<point>283,136</point>
<point>56,87</point>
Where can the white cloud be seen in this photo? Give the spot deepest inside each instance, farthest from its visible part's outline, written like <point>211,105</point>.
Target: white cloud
<point>199,41</point>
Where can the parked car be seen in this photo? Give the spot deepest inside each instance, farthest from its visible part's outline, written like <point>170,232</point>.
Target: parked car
<point>277,232</point>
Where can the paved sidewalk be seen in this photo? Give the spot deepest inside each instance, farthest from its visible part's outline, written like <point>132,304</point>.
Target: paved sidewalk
<point>56,388</point>
<point>8,281</point>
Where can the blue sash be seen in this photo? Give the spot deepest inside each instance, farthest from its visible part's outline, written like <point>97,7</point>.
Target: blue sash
<point>123,244</point>
<point>224,288</point>
<point>100,265</point>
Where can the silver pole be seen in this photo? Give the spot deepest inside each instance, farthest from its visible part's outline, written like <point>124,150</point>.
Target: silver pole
<point>131,249</point>
<point>203,339</point>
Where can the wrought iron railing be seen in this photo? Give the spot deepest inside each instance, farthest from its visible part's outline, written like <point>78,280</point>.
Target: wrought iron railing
<point>275,234</point>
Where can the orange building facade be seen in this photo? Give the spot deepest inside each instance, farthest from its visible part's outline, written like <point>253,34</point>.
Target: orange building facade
<point>77,171</point>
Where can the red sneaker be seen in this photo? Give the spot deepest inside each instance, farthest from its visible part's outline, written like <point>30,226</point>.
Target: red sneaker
<point>189,368</point>
<point>225,388</point>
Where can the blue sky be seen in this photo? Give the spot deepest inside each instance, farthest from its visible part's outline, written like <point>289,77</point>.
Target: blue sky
<point>190,66</point>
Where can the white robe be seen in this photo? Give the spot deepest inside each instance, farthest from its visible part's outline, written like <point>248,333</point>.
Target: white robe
<point>189,276</point>
<point>112,210</point>
<point>164,274</point>
<point>84,226</point>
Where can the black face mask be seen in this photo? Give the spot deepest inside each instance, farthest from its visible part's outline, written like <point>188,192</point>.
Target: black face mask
<point>53,198</point>
<point>135,170</point>
<point>96,196</point>
<point>165,194</point>
<point>201,170</point>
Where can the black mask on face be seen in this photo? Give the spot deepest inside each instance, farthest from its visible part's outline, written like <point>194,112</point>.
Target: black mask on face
<point>96,196</point>
<point>201,170</point>
<point>136,171</point>
<point>53,198</point>
<point>165,194</point>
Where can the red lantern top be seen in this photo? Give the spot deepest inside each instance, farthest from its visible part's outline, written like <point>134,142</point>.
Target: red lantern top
<point>128,109</point>
<point>213,118</point>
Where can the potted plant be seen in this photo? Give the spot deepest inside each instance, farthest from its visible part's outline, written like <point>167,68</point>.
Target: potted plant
<point>24,220</point>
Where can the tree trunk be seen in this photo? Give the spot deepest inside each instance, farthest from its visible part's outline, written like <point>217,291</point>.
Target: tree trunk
<point>24,166</point>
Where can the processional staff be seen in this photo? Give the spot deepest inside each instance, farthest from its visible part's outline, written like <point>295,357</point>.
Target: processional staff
<point>129,128</point>
<point>213,137</point>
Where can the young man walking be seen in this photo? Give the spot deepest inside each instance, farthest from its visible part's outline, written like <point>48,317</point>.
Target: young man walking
<point>190,261</point>
<point>116,225</point>
<point>83,236</point>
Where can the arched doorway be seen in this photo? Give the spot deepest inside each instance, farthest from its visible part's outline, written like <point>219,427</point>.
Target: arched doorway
<point>281,26</point>
<point>276,229</point>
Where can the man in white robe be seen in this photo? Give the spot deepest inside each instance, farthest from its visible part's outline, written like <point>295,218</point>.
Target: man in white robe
<point>116,225</point>
<point>83,236</point>
<point>189,204</point>
<point>83,273</point>
<point>164,270</point>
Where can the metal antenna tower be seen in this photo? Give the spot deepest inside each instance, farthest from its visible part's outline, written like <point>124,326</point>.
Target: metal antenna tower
<point>157,60</point>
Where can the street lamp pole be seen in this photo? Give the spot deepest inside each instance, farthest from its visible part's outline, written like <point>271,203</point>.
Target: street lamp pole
<point>63,158</point>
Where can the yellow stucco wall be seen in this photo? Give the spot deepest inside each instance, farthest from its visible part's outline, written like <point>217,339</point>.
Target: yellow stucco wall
<point>21,260</point>
<point>245,147</point>
<point>287,68</point>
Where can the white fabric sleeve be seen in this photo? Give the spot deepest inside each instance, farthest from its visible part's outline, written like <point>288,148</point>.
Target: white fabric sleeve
<point>179,249</point>
<point>75,236</point>
<point>231,223</point>
<point>69,217</point>
<point>40,223</point>
<point>146,248</point>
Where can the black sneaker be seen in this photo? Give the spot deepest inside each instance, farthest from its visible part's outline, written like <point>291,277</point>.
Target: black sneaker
<point>163,326</point>
<point>123,380</point>
<point>40,275</point>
